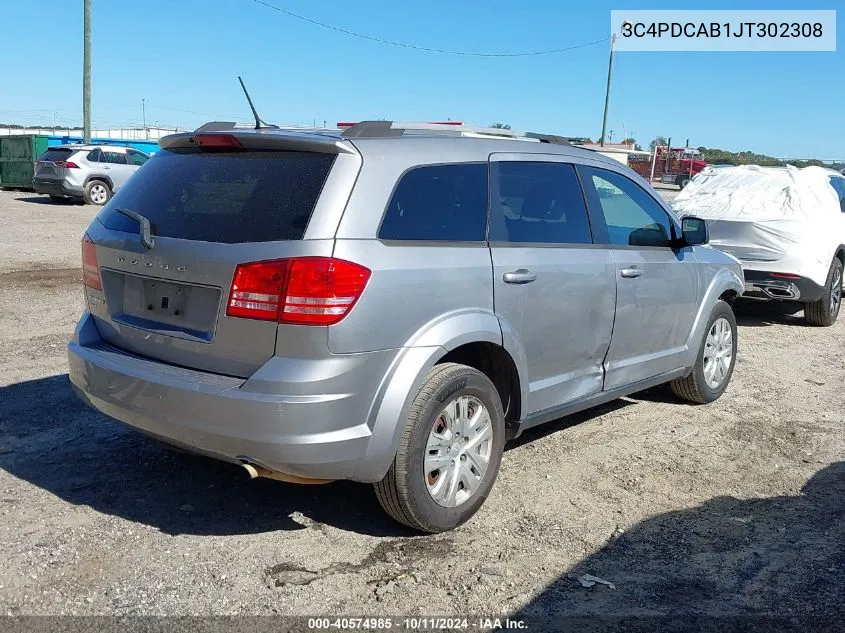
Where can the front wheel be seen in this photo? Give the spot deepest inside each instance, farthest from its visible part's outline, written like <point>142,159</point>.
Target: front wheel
<point>449,453</point>
<point>823,312</point>
<point>714,365</point>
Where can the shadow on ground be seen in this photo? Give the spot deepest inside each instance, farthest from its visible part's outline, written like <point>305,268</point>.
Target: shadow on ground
<point>42,199</point>
<point>541,431</point>
<point>51,439</point>
<point>756,313</point>
<point>775,563</point>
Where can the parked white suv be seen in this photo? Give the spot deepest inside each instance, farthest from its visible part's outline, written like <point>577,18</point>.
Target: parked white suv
<point>90,172</point>
<point>785,225</point>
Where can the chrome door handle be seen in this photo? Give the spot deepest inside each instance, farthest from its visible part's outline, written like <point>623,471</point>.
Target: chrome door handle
<point>631,273</point>
<point>521,276</point>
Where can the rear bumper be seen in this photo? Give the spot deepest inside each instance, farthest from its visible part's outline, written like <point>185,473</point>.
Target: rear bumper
<point>764,285</point>
<point>321,434</point>
<point>56,188</point>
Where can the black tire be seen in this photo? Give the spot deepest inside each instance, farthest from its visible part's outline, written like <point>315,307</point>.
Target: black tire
<point>403,493</point>
<point>682,181</point>
<point>694,387</point>
<point>823,313</point>
<point>92,192</point>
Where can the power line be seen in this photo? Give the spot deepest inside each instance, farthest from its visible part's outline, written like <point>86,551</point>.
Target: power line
<point>425,48</point>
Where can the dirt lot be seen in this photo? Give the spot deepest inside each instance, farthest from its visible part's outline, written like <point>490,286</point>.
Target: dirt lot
<point>731,509</point>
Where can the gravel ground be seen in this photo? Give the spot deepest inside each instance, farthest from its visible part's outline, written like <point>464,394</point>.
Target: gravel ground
<point>730,509</point>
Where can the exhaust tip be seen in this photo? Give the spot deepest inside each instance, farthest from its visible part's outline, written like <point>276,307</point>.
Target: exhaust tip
<point>255,471</point>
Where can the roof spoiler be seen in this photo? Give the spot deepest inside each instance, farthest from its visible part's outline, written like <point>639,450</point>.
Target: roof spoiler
<point>216,126</point>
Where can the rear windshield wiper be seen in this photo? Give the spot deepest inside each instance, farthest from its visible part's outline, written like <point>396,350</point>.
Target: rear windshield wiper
<point>146,227</point>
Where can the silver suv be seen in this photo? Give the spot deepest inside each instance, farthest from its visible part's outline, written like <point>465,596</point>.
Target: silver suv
<point>390,305</point>
<point>89,172</point>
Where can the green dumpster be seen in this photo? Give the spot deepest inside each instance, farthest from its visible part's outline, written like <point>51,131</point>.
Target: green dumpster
<point>17,159</point>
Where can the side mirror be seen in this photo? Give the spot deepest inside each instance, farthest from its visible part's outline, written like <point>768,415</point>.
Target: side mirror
<point>694,231</point>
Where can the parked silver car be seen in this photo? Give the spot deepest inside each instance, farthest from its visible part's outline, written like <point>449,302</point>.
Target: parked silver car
<point>90,172</point>
<point>388,306</point>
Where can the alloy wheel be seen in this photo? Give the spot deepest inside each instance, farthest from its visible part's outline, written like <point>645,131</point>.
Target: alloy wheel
<point>835,292</point>
<point>718,353</point>
<point>99,194</point>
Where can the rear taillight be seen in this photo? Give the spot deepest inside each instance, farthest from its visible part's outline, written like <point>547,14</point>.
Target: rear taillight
<point>67,164</point>
<point>785,275</point>
<point>90,269</point>
<point>302,290</point>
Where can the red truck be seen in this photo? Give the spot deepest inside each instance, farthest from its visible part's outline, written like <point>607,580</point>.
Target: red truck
<point>672,165</point>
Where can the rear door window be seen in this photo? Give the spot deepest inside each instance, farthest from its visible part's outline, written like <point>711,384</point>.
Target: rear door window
<point>223,197</point>
<point>439,203</point>
<point>95,156</point>
<point>56,154</point>
<point>538,202</point>
<point>114,158</point>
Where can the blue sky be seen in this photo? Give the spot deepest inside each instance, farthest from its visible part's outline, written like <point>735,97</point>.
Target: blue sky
<point>183,56</point>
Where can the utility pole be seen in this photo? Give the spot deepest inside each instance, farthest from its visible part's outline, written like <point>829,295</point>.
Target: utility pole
<point>86,75</point>
<point>144,117</point>
<point>607,93</point>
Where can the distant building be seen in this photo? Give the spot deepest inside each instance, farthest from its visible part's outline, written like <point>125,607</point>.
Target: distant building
<point>617,151</point>
<point>626,146</point>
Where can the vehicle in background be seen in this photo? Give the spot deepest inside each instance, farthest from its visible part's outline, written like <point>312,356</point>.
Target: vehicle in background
<point>88,172</point>
<point>675,165</point>
<point>785,225</point>
<point>390,304</point>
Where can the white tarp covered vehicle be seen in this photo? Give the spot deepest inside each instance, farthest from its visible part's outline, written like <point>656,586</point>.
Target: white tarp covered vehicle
<point>785,225</point>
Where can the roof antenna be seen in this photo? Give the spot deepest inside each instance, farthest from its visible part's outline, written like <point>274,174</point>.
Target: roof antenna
<point>259,124</point>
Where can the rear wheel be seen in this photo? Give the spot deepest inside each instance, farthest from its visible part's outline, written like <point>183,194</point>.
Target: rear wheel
<point>823,312</point>
<point>449,453</point>
<point>682,181</point>
<point>716,358</point>
<point>97,192</point>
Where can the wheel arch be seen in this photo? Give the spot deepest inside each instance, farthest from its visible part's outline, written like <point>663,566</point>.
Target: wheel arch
<point>726,285</point>
<point>480,347</point>
<point>105,179</point>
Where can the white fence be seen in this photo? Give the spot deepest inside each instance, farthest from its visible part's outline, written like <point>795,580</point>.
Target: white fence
<point>126,134</point>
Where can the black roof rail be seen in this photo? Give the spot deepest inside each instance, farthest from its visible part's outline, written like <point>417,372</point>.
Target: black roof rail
<point>216,126</point>
<point>384,129</point>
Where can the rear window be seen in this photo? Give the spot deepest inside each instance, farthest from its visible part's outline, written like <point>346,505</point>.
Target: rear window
<point>56,153</point>
<point>223,197</point>
<point>439,203</point>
